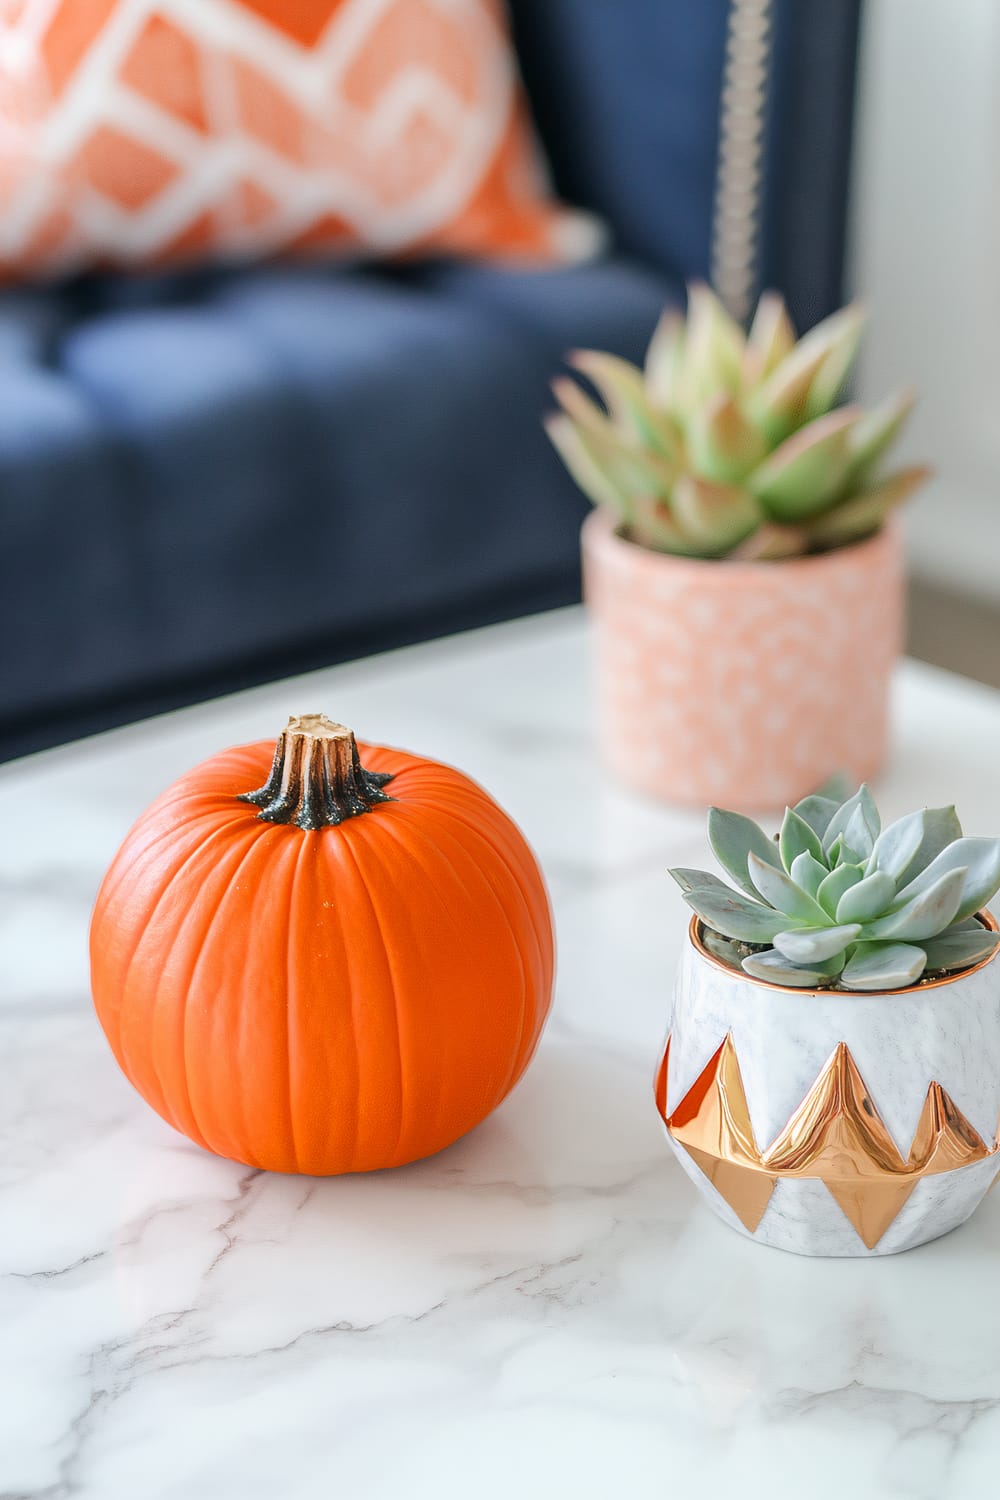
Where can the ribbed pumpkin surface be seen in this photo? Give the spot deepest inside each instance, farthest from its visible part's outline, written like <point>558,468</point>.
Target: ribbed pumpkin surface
<point>354,997</point>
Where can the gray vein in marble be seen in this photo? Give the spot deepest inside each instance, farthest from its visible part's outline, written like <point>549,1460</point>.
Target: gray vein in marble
<point>906,1414</point>
<point>50,1275</point>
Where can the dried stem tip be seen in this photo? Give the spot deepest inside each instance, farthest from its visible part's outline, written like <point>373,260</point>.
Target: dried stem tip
<point>317,779</point>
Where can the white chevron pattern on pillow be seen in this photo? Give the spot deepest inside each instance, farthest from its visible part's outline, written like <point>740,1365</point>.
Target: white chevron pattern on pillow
<point>146,131</point>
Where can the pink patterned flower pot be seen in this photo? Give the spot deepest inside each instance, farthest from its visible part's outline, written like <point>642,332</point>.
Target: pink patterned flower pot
<point>743,684</point>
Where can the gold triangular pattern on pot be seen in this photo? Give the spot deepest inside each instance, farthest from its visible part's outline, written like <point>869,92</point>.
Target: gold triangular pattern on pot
<point>712,1123</point>
<point>835,1135</point>
<point>747,1190</point>
<point>944,1139</point>
<point>715,1109</point>
<point>836,1127</point>
<point>870,1206</point>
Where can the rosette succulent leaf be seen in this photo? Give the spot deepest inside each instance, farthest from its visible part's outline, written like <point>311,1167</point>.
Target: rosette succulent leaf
<point>836,899</point>
<point>732,444</point>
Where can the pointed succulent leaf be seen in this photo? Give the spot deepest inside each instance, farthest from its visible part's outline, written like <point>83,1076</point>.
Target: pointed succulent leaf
<point>623,392</point>
<point>874,433</point>
<point>841,853</point>
<point>956,950</point>
<point>770,339</point>
<point>804,474</point>
<point>771,542</point>
<point>896,846</point>
<point>690,880</point>
<point>631,468</point>
<point>808,872</point>
<point>836,883</point>
<point>589,475</point>
<point>942,828</point>
<point>866,511</point>
<point>733,837</point>
<point>980,860</point>
<point>858,834</point>
<point>618,382</point>
<point>840,820</point>
<point>778,404</point>
<point>637,471</point>
<point>716,516</point>
<point>779,891</point>
<point>866,899</point>
<point>723,444</point>
<point>652,525</point>
<point>775,969</point>
<point>713,354</point>
<point>883,966</point>
<point>583,410</point>
<point>797,837</point>
<point>811,945</point>
<point>817,810</point>
<point>832,374</point>
<point>665,359</point>
<point>926,913</point>
<point>834,331</point>
<point>869,810</point>
<point>728,911</point>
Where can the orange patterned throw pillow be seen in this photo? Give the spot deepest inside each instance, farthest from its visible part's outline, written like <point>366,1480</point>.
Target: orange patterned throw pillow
<point>145,132</point>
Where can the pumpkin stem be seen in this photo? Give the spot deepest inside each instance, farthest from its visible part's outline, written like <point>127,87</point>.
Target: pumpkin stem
<point>317,778</point>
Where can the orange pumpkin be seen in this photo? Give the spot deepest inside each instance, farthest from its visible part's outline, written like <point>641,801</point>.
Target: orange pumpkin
<point>346,969</point>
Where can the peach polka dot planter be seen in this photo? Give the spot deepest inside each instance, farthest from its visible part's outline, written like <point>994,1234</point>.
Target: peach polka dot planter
<point>744,684</point>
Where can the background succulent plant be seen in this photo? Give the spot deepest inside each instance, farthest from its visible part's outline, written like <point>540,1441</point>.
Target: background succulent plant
<point>838,900</point>
<point>727,443</point>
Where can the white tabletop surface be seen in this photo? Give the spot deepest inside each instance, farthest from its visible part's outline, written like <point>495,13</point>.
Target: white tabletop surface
<point>544,1310</point>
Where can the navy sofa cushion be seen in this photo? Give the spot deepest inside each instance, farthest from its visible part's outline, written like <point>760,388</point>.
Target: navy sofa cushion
<point>242,464</point>
<point>69,588</point>
<point>602,303</point>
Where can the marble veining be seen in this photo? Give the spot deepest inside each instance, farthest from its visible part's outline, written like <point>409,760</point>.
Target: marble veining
<point>547,1308</point>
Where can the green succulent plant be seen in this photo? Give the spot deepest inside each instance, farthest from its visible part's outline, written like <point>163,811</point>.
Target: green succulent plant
<point>729,444</point>
<point>836,899</point>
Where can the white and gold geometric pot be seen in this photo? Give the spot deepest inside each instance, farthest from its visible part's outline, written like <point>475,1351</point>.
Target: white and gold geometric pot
<point>834,1123</point>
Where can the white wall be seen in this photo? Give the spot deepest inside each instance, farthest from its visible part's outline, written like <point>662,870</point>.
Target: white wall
<point>925,256</point>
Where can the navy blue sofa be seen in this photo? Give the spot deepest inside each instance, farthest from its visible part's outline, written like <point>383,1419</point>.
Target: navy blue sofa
<point>211,478</point>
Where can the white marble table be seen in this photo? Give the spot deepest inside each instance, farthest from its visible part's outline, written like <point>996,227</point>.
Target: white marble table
<point>545,1310</point>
